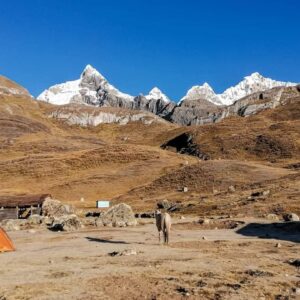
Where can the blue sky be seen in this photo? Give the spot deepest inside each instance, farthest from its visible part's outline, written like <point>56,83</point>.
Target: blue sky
<point>140,44</point>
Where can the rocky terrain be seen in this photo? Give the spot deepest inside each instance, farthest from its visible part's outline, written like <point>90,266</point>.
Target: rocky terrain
<point>231,186</point>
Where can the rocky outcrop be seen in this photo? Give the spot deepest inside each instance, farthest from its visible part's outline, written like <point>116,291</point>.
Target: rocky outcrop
<point>184,144</point>
<point>75,114</point>
<point>196,112</point>
<point>200,111</point>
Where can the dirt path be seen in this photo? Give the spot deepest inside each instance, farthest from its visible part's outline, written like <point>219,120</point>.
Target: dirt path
<point>224,265</point>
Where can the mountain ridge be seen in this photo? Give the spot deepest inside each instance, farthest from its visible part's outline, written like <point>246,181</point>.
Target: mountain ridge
<point>92,88</point>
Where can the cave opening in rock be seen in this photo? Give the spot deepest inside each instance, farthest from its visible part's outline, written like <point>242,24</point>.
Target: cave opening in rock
<point>184,144</point>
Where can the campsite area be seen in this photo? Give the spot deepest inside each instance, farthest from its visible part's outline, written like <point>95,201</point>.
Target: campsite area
<point>201,261</point>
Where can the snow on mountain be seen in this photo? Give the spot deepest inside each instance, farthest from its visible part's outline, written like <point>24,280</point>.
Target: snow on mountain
<point>251,84</point>
<point>202,92</point>
<point>91,86</point>
<point>157,94</point>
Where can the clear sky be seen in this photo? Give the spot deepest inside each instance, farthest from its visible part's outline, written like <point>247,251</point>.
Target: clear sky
<point>138,44</point>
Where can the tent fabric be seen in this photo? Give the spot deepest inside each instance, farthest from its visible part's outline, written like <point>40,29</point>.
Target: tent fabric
<point>5,242</point>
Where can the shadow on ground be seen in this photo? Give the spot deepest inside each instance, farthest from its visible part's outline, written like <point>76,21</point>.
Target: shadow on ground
<point>91,239</point>
<point>289,231</point>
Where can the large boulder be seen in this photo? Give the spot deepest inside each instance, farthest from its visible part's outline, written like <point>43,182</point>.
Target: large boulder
<point>66,223</point>
<point>54,208</point>
<point>119,215</point>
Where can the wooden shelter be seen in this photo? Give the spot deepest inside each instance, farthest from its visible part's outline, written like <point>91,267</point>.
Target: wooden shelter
<point>22,206</point>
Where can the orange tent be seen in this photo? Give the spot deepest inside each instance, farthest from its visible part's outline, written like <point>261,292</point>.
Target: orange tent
<point>5,243</point>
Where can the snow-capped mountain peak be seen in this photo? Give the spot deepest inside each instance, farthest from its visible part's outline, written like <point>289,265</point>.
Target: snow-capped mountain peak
<point>204,92</point>
<point>91,87</point>
<point>157,94</point>
<point>250,84</point>
<point>89,71</point>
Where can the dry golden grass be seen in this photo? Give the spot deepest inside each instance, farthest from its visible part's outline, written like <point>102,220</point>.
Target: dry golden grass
<point>125,162</point>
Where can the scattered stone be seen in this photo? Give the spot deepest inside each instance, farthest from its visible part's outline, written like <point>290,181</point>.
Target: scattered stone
<point>294,262</point>
<point>258,273</point>
<point>234,286</point>
<point>66,223</point>
<point>48,221</point>
<point>119,215</point>
<point>272,217</point>
<point>126,252</point>
<point>99,223</point>
<point>201,283</point>
<point>35,220</point>
<point>95,214</point>
<point>256,194</point>
<point>89,221</point>
<point>145,215</point>
<point>231,189</point>
<point>291,217</point>
<point>204,221</point>
<point>183,291</point>
<point>174,207</point>
<point>185,189</point>
<point>13,224</point>
<point>278,245</point>
<point>204,238</point>
<point>266,193</point>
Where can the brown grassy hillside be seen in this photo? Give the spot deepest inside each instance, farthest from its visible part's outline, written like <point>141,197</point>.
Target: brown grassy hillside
<point>39,154</point>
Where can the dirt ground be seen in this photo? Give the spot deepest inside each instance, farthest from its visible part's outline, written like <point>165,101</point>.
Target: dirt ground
<point>240,263</point>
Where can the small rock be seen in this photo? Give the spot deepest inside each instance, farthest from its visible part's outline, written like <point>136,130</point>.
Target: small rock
<point>31,231</point>
<point>278,245</point>
<point>164,204</point>
<point>273,217</point>
<point>185,189</point>
<point>291,217</point>
<point>231,189</point>
<point>204,221</point>
<point>182,217</point>
<point>204,238</point>
<point>266,193</point>
<point>126,252</point>
<point>35,219</point>
<point>297,291</point>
